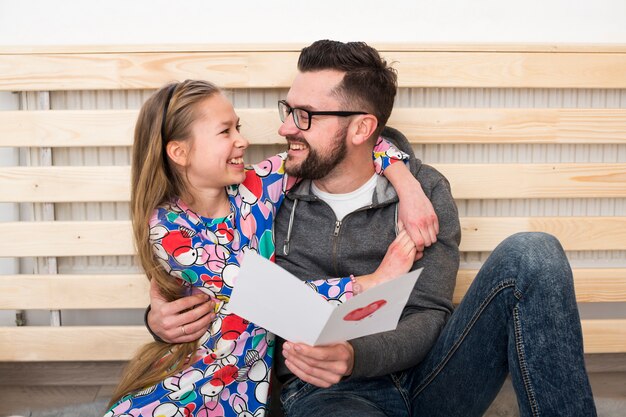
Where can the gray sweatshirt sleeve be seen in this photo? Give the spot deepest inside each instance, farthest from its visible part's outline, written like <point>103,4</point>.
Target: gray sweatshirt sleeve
<point>429,305</point>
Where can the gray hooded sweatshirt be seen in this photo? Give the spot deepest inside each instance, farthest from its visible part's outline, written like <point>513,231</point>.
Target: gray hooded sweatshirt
<point>312,244</point>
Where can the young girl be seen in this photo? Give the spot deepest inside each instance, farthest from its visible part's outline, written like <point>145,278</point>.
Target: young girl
<point>192,224</point>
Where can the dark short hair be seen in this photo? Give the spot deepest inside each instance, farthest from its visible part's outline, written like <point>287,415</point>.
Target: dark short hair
<point>369,83</point>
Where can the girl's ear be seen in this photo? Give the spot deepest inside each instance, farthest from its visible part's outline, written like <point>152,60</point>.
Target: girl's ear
<point>365,127</point>
<point>178,152</point>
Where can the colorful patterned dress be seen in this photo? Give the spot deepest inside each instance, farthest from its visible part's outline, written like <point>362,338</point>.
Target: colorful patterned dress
<point>230,372</point>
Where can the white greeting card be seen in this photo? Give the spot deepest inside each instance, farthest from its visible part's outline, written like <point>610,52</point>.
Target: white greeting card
<point>269,296</point>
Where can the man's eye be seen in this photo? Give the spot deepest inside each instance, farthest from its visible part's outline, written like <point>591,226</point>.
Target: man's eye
<point>302,115</point>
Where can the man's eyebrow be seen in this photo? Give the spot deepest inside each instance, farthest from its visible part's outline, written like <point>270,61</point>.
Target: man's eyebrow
<point>303,107</point>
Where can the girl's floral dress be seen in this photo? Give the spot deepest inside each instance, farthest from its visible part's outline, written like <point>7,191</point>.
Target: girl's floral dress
<point>230,372</point>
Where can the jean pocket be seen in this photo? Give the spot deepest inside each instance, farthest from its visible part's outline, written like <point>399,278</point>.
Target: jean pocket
<point>292,391</point>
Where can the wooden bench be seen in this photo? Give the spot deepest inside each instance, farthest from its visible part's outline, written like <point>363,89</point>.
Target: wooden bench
<point>532,138</point>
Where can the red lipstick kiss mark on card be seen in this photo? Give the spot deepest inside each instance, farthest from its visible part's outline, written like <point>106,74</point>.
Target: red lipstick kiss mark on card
<point>362,312</point>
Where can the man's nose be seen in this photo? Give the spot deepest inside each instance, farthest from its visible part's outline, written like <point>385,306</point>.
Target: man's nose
<point>288,127</point>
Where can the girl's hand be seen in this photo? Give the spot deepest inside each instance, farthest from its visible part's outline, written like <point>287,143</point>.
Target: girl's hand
<point>398,260</point>
<point>415,209</point>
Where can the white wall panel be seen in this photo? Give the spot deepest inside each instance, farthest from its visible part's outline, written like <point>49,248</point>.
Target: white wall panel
<point>245,21</point>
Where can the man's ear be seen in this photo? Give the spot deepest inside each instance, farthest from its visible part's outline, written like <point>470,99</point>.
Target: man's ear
<point>178,152</point>
<point>365,126</point>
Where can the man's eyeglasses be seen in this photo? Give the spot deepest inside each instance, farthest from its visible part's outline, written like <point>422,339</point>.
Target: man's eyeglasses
<point>302,117</point>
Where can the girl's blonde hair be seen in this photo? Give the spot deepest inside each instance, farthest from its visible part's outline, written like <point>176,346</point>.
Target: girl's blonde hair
<point>168,114</point>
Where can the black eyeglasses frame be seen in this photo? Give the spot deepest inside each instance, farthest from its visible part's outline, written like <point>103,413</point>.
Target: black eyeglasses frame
<point>310,114</point>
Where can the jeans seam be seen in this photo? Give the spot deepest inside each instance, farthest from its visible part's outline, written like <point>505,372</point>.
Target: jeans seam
<point>430,377</point>
<point>521,358</point>
<point>405,395</point>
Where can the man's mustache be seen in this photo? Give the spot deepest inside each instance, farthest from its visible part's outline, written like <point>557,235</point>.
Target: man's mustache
<point>295,139</point>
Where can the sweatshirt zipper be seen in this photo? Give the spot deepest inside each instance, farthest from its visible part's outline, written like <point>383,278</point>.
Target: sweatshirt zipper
<point>337,227</point>
<point>336,232</point>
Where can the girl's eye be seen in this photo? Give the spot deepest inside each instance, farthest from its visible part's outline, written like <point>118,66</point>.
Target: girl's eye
<point>238,127</point>
<point>225,131</point>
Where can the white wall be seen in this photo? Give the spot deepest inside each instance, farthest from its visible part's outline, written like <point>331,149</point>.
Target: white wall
<point>36,22</point>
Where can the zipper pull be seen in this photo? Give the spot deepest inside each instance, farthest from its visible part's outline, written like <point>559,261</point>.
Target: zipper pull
<point>337,227</point>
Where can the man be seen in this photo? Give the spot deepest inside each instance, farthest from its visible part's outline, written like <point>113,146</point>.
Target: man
<point>518,317</point>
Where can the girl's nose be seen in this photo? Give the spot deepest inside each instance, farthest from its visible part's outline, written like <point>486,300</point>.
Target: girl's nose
<point>242,142</point>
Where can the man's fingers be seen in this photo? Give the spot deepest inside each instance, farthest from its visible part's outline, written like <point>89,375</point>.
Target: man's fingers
<point>331,358</point>
<point>188,332</point>
<point>193,331</point>
<point>194,314</point>
<point>306,376</point>
<point>319,353</point>
<point>199,324</point>
<point>315,371</point>
<point>185,303</point>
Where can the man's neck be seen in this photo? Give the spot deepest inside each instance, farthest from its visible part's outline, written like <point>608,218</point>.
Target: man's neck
<point>348,176</point>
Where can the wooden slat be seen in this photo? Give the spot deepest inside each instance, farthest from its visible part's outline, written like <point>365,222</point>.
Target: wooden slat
<point>501,181</point>
<point>65,184</point>
<point>593,285</point>
<point>31,400</point>
<point>65,238</point>
<point>71,343</point>
<point>116,343</point>
<point>509,70</point>
<point>87,128</point>
<point>480,234</point>
<point>112,183</point>
<point>574,233</point>
<point>67,128</point>
<point>272,69</point>
<point>297,46</point>
<point>62,292</point>
<point>145,70</point>
<point>510,126</point>
<point>67,373</point>
<point>604,336</point>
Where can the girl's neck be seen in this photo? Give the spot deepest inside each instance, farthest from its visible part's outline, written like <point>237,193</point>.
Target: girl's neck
<point>212,204</point>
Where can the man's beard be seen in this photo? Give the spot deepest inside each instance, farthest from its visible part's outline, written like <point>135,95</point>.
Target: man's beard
<point>316,165</point>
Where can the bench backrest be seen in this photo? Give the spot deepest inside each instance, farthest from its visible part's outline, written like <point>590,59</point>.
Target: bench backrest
<point>532,138</point>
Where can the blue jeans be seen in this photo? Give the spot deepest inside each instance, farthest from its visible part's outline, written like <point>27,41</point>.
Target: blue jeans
<point>519,317</point>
